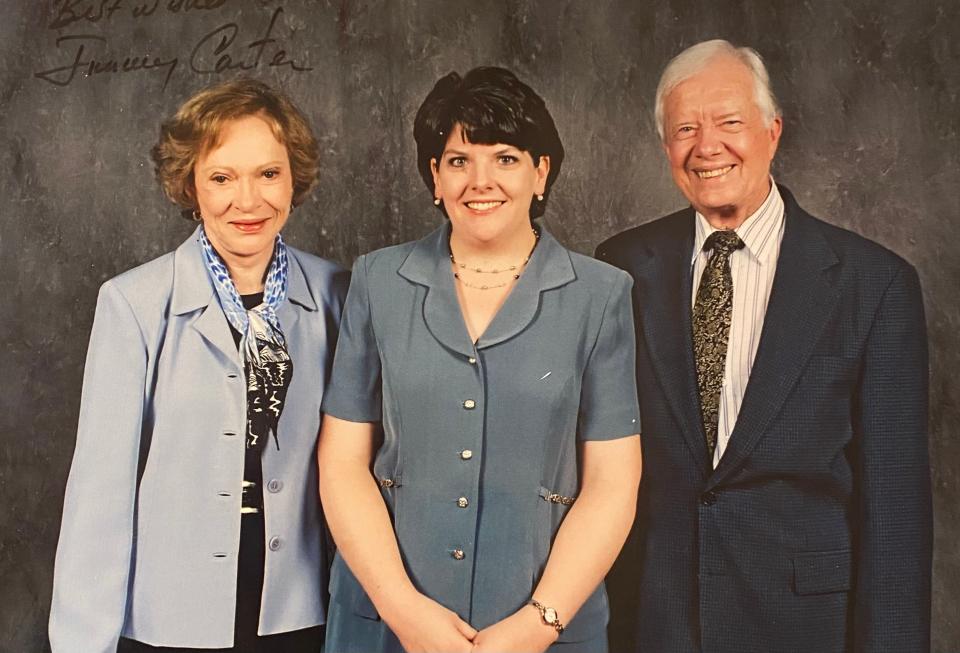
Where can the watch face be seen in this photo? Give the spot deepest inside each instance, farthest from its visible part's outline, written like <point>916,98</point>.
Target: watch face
<point>550,616</point>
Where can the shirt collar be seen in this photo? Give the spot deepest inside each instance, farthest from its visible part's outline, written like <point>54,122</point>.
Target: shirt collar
<point>757,232</point>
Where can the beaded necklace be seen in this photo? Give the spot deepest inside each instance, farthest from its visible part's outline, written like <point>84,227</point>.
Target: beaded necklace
<point>516,269</point>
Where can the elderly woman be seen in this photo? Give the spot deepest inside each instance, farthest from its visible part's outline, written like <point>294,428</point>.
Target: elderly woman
<point>500,367</point>
<point>191,519</point>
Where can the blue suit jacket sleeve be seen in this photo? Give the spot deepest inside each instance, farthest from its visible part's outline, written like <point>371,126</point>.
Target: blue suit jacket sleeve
<point>892,591</point>
<point>96,536</point>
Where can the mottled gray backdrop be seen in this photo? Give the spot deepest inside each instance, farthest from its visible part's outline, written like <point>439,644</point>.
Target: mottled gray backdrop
<point>870,97</point>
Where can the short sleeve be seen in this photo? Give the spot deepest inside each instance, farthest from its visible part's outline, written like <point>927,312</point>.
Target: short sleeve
<point>608,399</point>
<point>354,392</point>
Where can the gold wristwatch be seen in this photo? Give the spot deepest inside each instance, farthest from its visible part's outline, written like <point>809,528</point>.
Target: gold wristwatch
<point>548,615</point>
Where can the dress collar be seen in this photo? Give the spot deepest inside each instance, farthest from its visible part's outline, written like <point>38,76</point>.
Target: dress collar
<point>428,264</point>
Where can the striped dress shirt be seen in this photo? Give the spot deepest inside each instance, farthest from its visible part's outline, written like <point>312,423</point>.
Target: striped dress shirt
<point>753,269</point>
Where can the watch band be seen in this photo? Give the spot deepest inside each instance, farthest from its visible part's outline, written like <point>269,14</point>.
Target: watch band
<point>548,615</point>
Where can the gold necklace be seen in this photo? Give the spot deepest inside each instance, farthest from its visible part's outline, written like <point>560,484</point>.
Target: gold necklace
<point>464,266</point>
<point>512,268</point>
<point>482,286</point>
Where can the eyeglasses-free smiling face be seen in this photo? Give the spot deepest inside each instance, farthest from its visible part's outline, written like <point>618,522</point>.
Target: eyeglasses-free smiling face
<point>718,144</point>
<point>244,188</point>
<point>487,189</point>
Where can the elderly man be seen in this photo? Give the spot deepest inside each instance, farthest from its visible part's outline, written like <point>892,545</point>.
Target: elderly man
<point>782,374</point>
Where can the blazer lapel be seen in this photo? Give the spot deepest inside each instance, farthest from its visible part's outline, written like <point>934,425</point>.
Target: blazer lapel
<point>548,267</point>
<point>298,295</point>
<point>801,301</point>
<point>663,287</point>
<point>193,291</point>
<point>428,264</point>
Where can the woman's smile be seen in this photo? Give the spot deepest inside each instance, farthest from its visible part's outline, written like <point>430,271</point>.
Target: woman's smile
<point>484,207</point>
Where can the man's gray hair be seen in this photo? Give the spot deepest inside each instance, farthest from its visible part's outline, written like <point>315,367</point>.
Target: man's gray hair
<point>695,58</point>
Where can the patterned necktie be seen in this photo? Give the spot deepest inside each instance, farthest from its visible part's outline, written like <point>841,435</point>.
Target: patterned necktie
<point>711,327</point>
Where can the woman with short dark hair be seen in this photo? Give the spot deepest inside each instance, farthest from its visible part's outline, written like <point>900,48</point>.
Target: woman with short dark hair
<point>500,368</point>
<point>191,520</point>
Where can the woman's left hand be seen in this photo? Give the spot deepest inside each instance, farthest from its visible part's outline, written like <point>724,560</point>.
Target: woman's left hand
<point>521,632</point>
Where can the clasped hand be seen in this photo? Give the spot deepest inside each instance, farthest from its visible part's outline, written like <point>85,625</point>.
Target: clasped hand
<point>424,626</point>
<point>521,632</point>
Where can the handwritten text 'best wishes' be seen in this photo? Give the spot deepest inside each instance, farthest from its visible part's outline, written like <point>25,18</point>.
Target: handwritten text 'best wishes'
<point>225,48</point>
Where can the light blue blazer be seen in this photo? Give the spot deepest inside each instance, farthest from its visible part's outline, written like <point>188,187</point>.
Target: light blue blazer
<point>160,565</point>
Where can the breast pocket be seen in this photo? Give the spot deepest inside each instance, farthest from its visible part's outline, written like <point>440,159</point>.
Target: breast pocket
<point>828,383</point>
<point>832,369</point>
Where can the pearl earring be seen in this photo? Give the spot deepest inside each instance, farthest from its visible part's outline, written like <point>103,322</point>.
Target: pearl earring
<point>436,201</point>
<point>540,197</point>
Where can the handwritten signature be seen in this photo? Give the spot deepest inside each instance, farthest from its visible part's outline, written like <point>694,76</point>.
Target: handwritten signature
<point>216,52</point>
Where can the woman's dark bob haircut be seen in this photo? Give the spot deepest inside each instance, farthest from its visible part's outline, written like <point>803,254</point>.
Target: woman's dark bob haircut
<point>492,106</point>
<point>196,129</point>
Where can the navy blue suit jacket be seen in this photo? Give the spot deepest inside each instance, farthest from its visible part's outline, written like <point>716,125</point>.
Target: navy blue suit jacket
<point>813,534</point>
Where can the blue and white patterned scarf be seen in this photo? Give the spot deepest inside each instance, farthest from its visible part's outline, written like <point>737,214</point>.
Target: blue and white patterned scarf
<point>263,349</point>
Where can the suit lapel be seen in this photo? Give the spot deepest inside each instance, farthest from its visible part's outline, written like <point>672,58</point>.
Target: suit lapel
<point>193,292</point>
<point>428,264</point>
<point>802,299</point>
<point>549,267</point>
<point>663,286</point>
<point>298,296</point>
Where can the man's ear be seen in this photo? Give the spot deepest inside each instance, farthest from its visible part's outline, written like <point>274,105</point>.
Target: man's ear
<point>775,130</point>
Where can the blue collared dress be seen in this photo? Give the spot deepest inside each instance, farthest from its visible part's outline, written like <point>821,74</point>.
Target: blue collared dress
<point>478,464</point>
